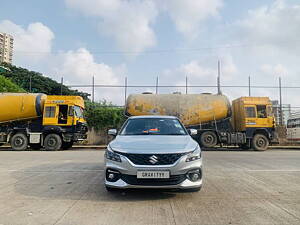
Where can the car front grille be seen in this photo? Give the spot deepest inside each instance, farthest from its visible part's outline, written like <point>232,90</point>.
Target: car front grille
<point>153,159</point>
<point>173,180</point>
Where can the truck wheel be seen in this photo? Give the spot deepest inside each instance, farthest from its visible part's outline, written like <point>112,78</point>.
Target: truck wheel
<point>209,139</point>
<point>35,146</point>
<point>52,142</point>
<point>260,142</point>
<point>66,145</point>
<point>19,142</point>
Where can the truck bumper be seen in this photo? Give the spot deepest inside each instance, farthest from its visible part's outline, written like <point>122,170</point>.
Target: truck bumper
<point>74,137</point>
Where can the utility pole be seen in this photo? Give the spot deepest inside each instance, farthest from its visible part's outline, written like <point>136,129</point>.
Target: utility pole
<point>249,85</point>
<point>280,103</point>
<point>61,85</point>
<point>219,78</point>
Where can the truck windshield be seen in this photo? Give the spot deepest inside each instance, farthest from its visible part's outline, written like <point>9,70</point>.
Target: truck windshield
<point>78,111</point>
<point>153,126</point>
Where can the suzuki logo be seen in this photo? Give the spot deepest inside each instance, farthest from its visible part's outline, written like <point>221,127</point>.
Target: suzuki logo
<point>153,159</point>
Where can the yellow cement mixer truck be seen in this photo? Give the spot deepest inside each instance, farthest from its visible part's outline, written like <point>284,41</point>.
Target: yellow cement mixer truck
<point>248,122</point>
<point>39,120</point>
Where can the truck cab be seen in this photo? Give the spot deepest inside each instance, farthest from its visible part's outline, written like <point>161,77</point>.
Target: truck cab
<point>254,117</point>
<point>64,115</point>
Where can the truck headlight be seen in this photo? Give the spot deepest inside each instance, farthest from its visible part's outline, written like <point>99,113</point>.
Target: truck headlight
<point>194,155</point>
<point>111,155</point>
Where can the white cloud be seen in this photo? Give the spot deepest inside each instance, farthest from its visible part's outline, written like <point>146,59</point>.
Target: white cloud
<point>127,22</point>
<point>274,70</point>
<point>78,67</point>
<point>30,44</point>
<point>189,14</point>
<point>202,72</point>
<point>276,25</point>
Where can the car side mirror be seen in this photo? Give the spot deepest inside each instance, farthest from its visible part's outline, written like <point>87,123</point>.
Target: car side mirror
<point>112,132</point>
<point>192,132</point>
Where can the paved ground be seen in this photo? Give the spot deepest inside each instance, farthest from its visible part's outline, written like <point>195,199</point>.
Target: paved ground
<point>240,187</point>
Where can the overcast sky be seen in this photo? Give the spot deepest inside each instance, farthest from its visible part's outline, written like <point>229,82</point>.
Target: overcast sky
<point>172,39</point>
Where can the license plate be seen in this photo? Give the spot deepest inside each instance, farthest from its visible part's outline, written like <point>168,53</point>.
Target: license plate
<point>153,174</point>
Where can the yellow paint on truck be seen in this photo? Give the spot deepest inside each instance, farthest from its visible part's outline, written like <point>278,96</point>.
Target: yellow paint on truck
<point>190,109</point>
<point>20,106</point>
<point>252,112</point>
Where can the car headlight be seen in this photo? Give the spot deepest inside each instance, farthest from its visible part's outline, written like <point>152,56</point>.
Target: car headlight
<point>194,155</point>
<point>111,155</point>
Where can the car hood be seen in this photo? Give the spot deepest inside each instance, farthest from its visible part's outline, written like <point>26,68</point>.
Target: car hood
<point>153,144</point>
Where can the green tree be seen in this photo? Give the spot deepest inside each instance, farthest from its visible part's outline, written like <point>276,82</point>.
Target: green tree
<point>39,83</point>
<point>104,115</point>
<point>8,86</point>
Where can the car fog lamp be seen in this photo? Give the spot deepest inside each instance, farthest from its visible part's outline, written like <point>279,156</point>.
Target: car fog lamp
<point>112,175</point>
<point>194,175</point>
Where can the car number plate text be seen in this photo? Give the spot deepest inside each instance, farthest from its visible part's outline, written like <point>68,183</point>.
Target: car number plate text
<point>153,174</point>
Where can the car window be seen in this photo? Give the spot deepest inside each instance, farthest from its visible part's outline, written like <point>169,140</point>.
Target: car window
<point>153,126</point>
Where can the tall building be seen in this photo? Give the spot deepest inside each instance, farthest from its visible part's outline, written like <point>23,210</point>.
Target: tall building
<point>6,48</point>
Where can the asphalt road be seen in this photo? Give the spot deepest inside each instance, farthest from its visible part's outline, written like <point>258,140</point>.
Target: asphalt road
<point>240,187</point>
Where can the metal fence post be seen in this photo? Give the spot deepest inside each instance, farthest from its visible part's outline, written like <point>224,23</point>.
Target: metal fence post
<point>93,89</point>
<point>186,85</point>
<point>280,103</point>
<point>125,90</point>
<point>156,86</point>
<point>249,85</point>
<point>219,78</point>
<point>61,85</point>
<point>30,85</point>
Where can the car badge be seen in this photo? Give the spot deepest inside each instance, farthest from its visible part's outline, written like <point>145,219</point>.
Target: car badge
<point>153,159</point>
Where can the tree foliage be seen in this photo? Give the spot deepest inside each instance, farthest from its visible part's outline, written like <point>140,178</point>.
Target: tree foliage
<point>39,83</point>
<point>7,86</point>
<point>103,115</point>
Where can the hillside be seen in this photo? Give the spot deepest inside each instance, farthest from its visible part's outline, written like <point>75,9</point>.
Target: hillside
<point>7,86</point>
<point>39,83</point>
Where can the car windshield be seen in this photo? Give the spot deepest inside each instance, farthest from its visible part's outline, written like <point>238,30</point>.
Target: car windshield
<point>153,126</point>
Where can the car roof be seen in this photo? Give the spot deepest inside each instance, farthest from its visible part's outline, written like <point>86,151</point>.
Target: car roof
<point>153,116</point>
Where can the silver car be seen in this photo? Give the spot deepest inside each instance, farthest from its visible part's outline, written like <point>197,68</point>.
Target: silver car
<point>153,152</point>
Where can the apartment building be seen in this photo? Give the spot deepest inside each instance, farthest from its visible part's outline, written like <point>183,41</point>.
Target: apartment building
<point>6,48</point>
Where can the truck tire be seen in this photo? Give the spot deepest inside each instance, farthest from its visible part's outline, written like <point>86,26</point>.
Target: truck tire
<point>66,145</point>
<point>52,142</point>
<point>208,139</point>
<point>35,146</point>
<point>19,142</point>
<point>260,142</point>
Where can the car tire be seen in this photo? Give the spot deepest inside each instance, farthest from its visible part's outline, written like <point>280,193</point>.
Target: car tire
<point>52,142</point>
<point>260,142</point>
<point>208,139</point>
<point>19,142</point>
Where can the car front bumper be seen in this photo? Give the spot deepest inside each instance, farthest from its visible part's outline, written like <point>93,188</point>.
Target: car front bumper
<point>179,169</point>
